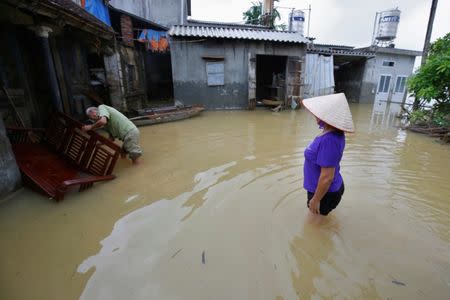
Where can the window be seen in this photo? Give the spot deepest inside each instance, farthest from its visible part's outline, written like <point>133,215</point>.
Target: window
<point>215,73</point>
<point>383,85</point>
<point>400,84</point>
<point>387,63</point>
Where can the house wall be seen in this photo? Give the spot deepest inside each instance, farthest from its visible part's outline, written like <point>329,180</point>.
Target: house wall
<point>189,69</point>
<point>404,65</point>
<point>164,12</point>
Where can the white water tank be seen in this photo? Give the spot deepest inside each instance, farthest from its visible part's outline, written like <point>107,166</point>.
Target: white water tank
<point>297,21</point>
<point>388,24</point>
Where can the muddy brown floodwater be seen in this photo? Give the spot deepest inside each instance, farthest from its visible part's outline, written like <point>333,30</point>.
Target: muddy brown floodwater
<point>217,211</point>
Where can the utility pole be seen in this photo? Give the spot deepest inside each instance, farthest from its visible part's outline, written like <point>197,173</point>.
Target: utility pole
<point>426,45</point>
<point>267,12</point>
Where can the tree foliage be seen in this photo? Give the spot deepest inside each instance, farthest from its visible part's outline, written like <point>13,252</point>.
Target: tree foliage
<point>254,16</point>
<point>432,80</point>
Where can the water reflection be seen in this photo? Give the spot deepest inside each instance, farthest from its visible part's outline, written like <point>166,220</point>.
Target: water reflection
<point>217,211</point>
<point>385,114</point>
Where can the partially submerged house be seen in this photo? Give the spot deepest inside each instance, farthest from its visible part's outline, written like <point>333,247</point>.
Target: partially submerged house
<point>63,55</point>
<point>231,66</point>
<point>150,21</point>
<point>386,74</point>
<point>48,50</point>
<point>334,68</point>
<point>365,75</point>
<point>140,66</point>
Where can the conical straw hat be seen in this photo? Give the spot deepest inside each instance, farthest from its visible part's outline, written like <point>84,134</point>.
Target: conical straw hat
<point>333,110</point>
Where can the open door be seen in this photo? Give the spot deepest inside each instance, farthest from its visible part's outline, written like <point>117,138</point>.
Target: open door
<point>251,81</point>
<point>293,79</point>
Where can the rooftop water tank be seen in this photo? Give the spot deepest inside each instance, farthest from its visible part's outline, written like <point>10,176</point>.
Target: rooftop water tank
<point>297,21</point>
<point>387,25</point>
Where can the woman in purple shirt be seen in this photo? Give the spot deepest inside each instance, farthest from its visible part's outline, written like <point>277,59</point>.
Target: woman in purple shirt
<point>321,170</point>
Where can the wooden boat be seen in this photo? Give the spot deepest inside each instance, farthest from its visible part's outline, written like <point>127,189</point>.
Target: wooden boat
<point>269,102</point>
<point>150,116</point>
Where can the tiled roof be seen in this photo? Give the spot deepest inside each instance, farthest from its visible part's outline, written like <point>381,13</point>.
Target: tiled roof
<point>236,32</point>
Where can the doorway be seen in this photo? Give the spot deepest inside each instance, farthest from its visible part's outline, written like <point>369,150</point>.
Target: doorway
<point>348,75</point>
<point>383,87</point>
<point>270,77</point>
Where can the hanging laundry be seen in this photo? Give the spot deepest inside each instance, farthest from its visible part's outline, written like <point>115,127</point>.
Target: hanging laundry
<point>156,41</point>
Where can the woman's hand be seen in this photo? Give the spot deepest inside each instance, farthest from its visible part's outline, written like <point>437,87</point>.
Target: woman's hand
<point>325,180</point>
<point>314,206</point>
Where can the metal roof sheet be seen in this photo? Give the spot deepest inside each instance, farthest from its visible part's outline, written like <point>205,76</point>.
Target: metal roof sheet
<point>349,52</point>
<point>194,22</point>
<point>390,50</point>
<point>236,32</point>
<point>334,46</point>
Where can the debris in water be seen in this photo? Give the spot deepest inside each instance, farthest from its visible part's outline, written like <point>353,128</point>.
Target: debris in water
<point>132,198</point>
<point>175,254</point>
<point>203,257</point>
<point>398,282</point>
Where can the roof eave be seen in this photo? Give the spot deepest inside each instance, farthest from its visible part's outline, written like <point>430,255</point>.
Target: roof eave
<point>56,11</point>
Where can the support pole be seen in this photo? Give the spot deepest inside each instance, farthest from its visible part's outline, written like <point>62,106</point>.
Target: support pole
<point>309,18</point>
<point>426,45</point>
<point>43,34</point>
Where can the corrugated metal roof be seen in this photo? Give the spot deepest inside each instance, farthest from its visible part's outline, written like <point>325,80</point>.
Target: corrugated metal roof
<point>236,33</point>
<point>390,50</point>
<point>334,46</point>
<point>194,22</point>
<point>349,52</point>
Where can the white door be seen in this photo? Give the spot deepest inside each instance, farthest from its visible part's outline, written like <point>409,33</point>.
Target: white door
<point>383,88</point>
<point>399,88</point>
<point>381,97</point>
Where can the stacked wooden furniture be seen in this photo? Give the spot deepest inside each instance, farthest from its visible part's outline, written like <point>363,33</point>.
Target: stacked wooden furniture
<point>62,156</point>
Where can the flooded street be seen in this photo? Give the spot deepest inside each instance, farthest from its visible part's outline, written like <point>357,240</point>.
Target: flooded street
<point>217,211</point>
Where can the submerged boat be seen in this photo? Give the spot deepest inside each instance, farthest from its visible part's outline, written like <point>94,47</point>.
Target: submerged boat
<point>150,116</point>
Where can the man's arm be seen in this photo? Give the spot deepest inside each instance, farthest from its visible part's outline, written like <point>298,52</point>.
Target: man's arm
<point>100,123</point>
<point>325,180</point>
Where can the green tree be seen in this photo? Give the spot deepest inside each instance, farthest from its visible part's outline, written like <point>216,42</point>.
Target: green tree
<point>254,16</point>
<point>432,80</point>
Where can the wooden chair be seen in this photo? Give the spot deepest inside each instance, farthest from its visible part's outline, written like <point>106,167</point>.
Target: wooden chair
<point>62,156</point>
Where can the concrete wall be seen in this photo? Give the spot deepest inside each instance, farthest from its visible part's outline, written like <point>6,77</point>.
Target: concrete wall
<point>9,173</point>
<point>374,68</point>
<point>189,69</point>
<point>163,12</point>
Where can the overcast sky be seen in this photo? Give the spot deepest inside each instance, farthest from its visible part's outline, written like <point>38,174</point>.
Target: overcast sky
<point>344,22</point>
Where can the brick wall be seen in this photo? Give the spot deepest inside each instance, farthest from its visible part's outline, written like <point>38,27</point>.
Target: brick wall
<point>127,30</point>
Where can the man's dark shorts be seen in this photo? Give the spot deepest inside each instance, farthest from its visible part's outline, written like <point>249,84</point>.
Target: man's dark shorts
<point>329,201</point>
